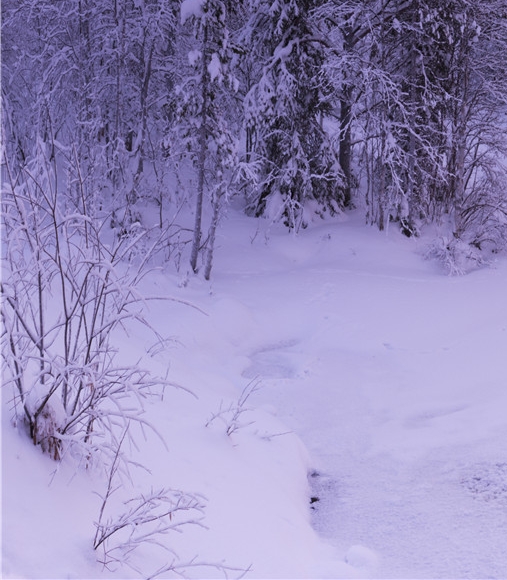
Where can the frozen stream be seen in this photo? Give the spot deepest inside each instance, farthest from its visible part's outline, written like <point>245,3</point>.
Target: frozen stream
<point>397,383</point>
<point>393,375</point>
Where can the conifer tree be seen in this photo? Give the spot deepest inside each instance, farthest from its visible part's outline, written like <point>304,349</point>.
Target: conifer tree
<point>284,112</point>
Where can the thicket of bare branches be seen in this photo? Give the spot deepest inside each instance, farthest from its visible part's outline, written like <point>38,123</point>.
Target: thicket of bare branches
<point>392,105</point>
<point>68,288</point>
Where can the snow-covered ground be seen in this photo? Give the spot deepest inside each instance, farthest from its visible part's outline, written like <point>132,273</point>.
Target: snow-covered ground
<point>372,442</point>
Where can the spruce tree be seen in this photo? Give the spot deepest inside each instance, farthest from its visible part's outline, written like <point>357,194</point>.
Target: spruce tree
<point>284,112</point>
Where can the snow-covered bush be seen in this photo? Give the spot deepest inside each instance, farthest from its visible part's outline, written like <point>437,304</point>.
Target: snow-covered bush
<point>65,293</point>
<point>479,228</point>
<point>482,219</point>
<point>457,256</point>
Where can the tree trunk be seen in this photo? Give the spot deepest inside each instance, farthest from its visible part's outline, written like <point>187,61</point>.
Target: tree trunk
<point>345,154</point>
<point>212,234</point>
<point>201,161</point>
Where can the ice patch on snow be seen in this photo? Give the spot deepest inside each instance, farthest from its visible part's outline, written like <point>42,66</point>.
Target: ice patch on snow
<point>487,482</point>
<point>272,362</point>
<point>361,557</point>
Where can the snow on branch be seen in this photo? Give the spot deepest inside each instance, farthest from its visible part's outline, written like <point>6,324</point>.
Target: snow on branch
<point>191,9</point>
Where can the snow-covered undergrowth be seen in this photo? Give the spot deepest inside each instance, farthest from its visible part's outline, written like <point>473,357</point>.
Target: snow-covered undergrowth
<point>347,420</point>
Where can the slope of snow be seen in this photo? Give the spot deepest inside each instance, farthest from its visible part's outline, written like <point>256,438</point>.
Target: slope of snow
<point>376,386</point>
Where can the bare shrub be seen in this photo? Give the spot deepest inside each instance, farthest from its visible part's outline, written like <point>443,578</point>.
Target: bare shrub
<point>231,415</point>
<point>69,286</point>
<point>144,520</point>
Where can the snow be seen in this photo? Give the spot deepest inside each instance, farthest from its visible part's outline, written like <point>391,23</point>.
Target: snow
<point>190,8</point>
<point>214,67</point>
<point>376,386</point>
<point>194,56</point>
